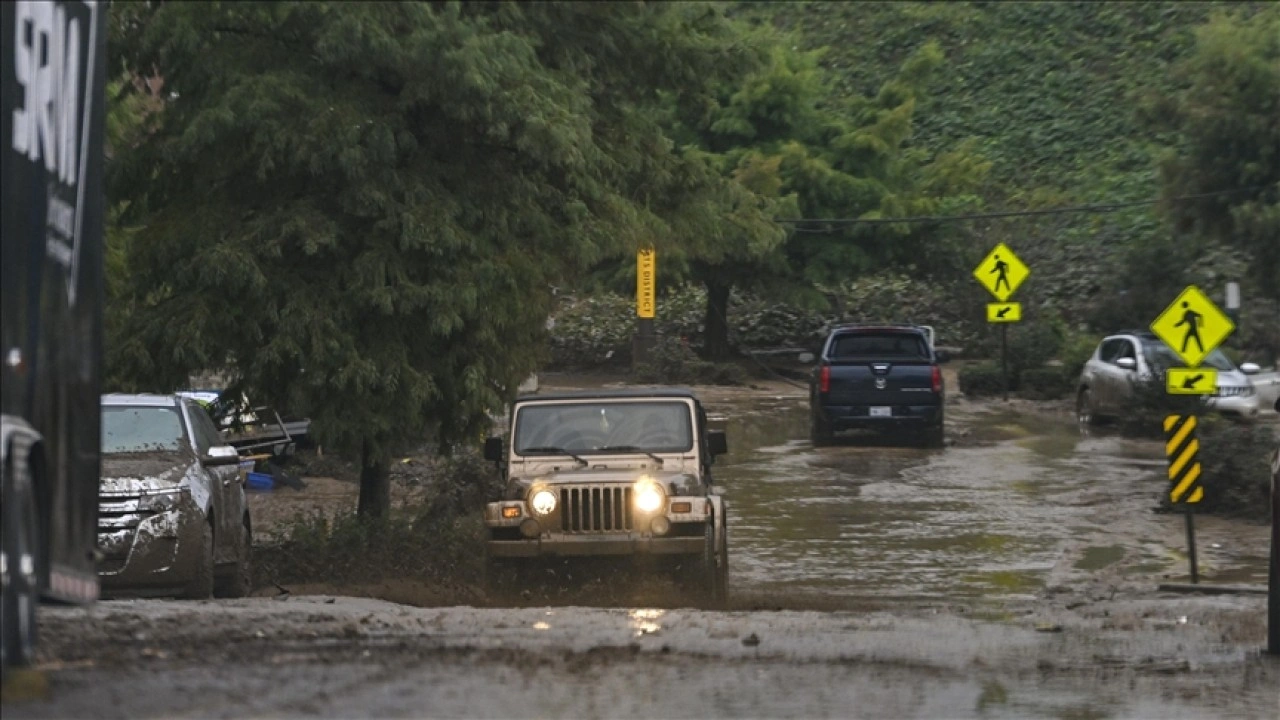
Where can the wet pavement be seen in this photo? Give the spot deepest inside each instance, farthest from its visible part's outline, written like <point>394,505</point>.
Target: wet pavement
<point>1012,574</point>
<point>1016,502</point>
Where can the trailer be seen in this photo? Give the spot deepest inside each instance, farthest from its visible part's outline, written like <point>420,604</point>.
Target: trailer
<point>51,251</point>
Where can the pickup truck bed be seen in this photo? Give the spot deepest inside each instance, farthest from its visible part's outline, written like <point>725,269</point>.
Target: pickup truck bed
<point>882,377</point>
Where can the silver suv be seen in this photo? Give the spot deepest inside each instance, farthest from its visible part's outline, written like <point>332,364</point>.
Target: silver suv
<point>611,473</point>
<point>1125,359</point>
<point>172,515</point>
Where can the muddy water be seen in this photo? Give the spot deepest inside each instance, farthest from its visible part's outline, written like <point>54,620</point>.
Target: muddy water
<point>1017,502</point>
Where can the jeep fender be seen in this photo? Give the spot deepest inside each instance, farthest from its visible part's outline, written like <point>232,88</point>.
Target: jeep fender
<point>718,509</point>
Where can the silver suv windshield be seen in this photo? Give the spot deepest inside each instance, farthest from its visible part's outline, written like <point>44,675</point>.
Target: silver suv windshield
<point>604,426</point>
<point>1161,358</point>
<point>141,429</point>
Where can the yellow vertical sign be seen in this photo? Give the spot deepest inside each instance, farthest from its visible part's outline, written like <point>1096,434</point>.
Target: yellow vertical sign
<point>646,282</point>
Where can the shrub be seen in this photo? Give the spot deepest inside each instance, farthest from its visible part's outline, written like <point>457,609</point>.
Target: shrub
<point>1144,413</point>
<point>433,539</point>
<point>981,379</point>
<point>1033,344</point>
<point>1046,383</point>
<point>672,361</point>
<point>1235,465</point>
<point>1076,350</point>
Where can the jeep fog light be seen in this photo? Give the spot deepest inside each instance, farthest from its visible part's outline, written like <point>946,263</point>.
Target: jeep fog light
<point>660,525</point>
<point>543,502</point>
<point>649,497</point>
<point>530,528</point>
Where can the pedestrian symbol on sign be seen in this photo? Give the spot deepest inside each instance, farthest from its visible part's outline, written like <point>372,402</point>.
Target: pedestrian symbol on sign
<point>1191,319</point>
<point>1001,271</point>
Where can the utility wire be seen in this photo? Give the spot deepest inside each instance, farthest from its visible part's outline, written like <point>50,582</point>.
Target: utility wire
<point>1104,208</point>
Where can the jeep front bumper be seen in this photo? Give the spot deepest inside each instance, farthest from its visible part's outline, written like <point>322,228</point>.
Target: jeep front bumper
<point>586,546</point>
<point>517,532</point>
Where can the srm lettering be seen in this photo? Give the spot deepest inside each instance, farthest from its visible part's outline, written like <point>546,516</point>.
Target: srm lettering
<point>46,65</point>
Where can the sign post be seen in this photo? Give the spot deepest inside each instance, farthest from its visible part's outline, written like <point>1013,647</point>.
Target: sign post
<point>1273,576</point>
<point>1001,272</point>
<point>1192,326</point>
<point>646,304</point>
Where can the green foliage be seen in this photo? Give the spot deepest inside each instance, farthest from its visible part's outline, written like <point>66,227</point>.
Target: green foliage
<point>434,539</point>
<point>1076,350</point>
<point>1033,343</point>
<point>672,361</point>
<point>1044,383</point>
<point>1235,466</point>
<point>981,379</point>
<point>1048,92</point>
<point>1143,415</point>
<point>777,135</point>
<point>1225,114</point>
<point>358,209</point>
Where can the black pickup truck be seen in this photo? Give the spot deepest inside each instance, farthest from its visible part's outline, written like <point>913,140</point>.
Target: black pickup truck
<point>881,377</point>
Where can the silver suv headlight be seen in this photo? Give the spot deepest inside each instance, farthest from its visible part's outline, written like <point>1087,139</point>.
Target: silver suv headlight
<point>161,501</point>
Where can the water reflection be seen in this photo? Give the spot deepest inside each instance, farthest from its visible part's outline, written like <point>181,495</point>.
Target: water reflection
<point>645,621</point>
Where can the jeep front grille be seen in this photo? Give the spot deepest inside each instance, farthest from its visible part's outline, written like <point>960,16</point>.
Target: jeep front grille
<point>591,509</point>
<point>1234,391</point>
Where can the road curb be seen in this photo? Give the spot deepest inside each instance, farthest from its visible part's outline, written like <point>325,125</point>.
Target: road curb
<point>1213,589</point>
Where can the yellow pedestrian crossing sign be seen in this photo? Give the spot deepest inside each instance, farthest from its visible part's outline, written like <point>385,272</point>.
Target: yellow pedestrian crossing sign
<point>1192,326</point>
<point>1001,272</point>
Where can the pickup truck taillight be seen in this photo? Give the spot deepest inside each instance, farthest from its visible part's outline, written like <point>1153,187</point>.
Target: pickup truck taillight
<point>937,379</point>
<point>824,379</point>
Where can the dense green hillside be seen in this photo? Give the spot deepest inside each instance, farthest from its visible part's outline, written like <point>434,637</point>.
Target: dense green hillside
<point>1050,90</point>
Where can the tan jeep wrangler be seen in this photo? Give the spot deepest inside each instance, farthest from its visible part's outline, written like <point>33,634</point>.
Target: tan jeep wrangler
<point>611,472</point>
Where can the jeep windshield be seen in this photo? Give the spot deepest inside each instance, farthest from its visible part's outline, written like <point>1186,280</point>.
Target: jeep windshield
<point>604,427</point>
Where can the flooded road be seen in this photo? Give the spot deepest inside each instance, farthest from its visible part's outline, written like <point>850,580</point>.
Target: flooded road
<point>1010,574</point>
<point>1015,503</point>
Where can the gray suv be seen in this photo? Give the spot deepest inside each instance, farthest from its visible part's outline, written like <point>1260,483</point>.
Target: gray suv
<point>172,515</point>
<point>1121,361</point>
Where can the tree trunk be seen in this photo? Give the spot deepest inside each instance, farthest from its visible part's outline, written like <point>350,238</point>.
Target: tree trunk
<point>375,484</point>
<point>715,334</point>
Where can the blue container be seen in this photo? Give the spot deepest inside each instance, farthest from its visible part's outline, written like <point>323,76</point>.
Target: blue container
<point>260,481</point>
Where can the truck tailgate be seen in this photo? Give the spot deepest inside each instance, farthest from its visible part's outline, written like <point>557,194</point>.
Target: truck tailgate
<point>881,382</point>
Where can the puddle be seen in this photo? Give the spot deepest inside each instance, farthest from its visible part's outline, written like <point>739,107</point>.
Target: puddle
<point>1096,558</point>
<point>983,525</point>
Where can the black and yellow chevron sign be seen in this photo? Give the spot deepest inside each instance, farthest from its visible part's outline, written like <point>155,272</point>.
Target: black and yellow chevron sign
<point>1182,448</point>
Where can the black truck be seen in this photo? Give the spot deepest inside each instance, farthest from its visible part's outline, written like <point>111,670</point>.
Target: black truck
<point>879,377</point>
<point>51,251</point>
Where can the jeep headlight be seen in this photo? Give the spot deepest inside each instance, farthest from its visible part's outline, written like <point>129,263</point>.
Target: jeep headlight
<point>649,496</point>
<point>543,502</point>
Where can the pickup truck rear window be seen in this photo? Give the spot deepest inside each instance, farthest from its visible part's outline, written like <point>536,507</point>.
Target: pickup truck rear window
<point>887,345</point>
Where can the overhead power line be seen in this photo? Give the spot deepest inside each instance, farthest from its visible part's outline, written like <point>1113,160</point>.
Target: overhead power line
<point>1104,208</point>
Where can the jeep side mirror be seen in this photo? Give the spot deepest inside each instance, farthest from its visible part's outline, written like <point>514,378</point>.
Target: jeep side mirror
<point>717,442</point>
<point>1250,368</point>
<point>493,449</point>
<point>805,357</point>
<point>942,356</point>
<point>1127,363</point>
